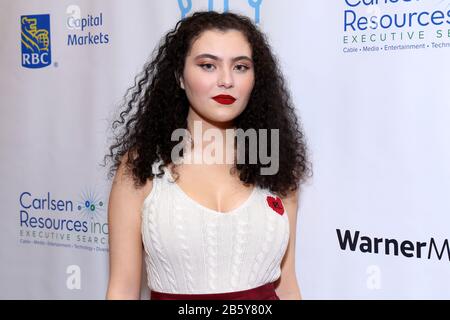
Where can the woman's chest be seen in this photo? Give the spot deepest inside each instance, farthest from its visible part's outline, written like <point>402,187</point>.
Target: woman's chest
<point>213,187</point>
<point>182,227</point>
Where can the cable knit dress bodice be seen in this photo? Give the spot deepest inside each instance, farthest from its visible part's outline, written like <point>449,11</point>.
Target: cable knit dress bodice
<point>191,249</point>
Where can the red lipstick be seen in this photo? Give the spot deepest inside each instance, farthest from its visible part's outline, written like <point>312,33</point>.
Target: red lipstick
<point>224,99</point>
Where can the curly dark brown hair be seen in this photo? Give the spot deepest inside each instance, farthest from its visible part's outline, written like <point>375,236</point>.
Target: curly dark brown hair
<point>156,105</point>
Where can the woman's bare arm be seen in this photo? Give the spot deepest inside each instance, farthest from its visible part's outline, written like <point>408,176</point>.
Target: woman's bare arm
<point>287,286</point>
<point>125,241</point>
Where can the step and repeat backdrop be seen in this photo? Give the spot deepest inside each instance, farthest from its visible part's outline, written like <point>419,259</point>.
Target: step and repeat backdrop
<point>370,81</point>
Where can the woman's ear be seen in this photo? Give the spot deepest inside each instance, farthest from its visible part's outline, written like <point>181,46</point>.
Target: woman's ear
<point>181,83</point>
<point>179,80</point>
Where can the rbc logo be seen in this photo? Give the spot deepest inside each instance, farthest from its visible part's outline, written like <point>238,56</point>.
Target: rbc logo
<point>36,51</point>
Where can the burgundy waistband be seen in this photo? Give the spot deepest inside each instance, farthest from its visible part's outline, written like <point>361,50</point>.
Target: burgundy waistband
<point>264,292</point>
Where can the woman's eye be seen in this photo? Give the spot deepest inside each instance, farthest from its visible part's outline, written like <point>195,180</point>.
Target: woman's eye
<point>207,66</point>
<point>241,67</point>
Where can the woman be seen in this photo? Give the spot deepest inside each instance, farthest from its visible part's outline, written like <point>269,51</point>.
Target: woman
<point>209,230</point>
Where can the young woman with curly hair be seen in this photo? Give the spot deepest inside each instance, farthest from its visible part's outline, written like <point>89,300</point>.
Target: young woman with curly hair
<point>206,230</point>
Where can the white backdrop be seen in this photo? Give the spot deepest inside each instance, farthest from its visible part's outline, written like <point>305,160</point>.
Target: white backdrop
<point>375,113</point>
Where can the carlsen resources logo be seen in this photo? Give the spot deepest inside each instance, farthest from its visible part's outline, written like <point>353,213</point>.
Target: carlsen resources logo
<point>47,220</point>
<point>395,25</point>
<point>35,39</point>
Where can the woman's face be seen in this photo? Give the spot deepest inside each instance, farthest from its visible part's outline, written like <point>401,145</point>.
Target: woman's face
<point>219,63</point>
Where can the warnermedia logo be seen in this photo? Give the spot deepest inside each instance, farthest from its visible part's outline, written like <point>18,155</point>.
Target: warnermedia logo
<point>353,241</point>
<point>35,39</point>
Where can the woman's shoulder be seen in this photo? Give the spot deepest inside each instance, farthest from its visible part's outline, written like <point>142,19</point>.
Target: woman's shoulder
<point>124,183</point>
<point>288,197</point>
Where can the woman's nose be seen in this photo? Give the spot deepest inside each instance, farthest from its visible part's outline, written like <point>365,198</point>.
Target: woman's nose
<point>225,79</point>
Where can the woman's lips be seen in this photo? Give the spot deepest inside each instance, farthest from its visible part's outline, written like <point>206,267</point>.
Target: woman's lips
<point>224,99</point>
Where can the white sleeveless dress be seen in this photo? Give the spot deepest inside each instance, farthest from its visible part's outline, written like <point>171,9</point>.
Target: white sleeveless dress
<point>191,249</point>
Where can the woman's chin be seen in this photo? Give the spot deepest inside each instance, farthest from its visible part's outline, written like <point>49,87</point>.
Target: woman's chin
<point>221,121</point>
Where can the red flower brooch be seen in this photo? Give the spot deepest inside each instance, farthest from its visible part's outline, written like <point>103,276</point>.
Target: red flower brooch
<point>275,204</point>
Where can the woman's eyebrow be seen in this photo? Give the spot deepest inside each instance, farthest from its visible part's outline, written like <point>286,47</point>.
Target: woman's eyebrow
<point>211,56</point>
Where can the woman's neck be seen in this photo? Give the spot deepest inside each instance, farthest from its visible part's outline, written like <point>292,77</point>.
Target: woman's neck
<point>211,138</point>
